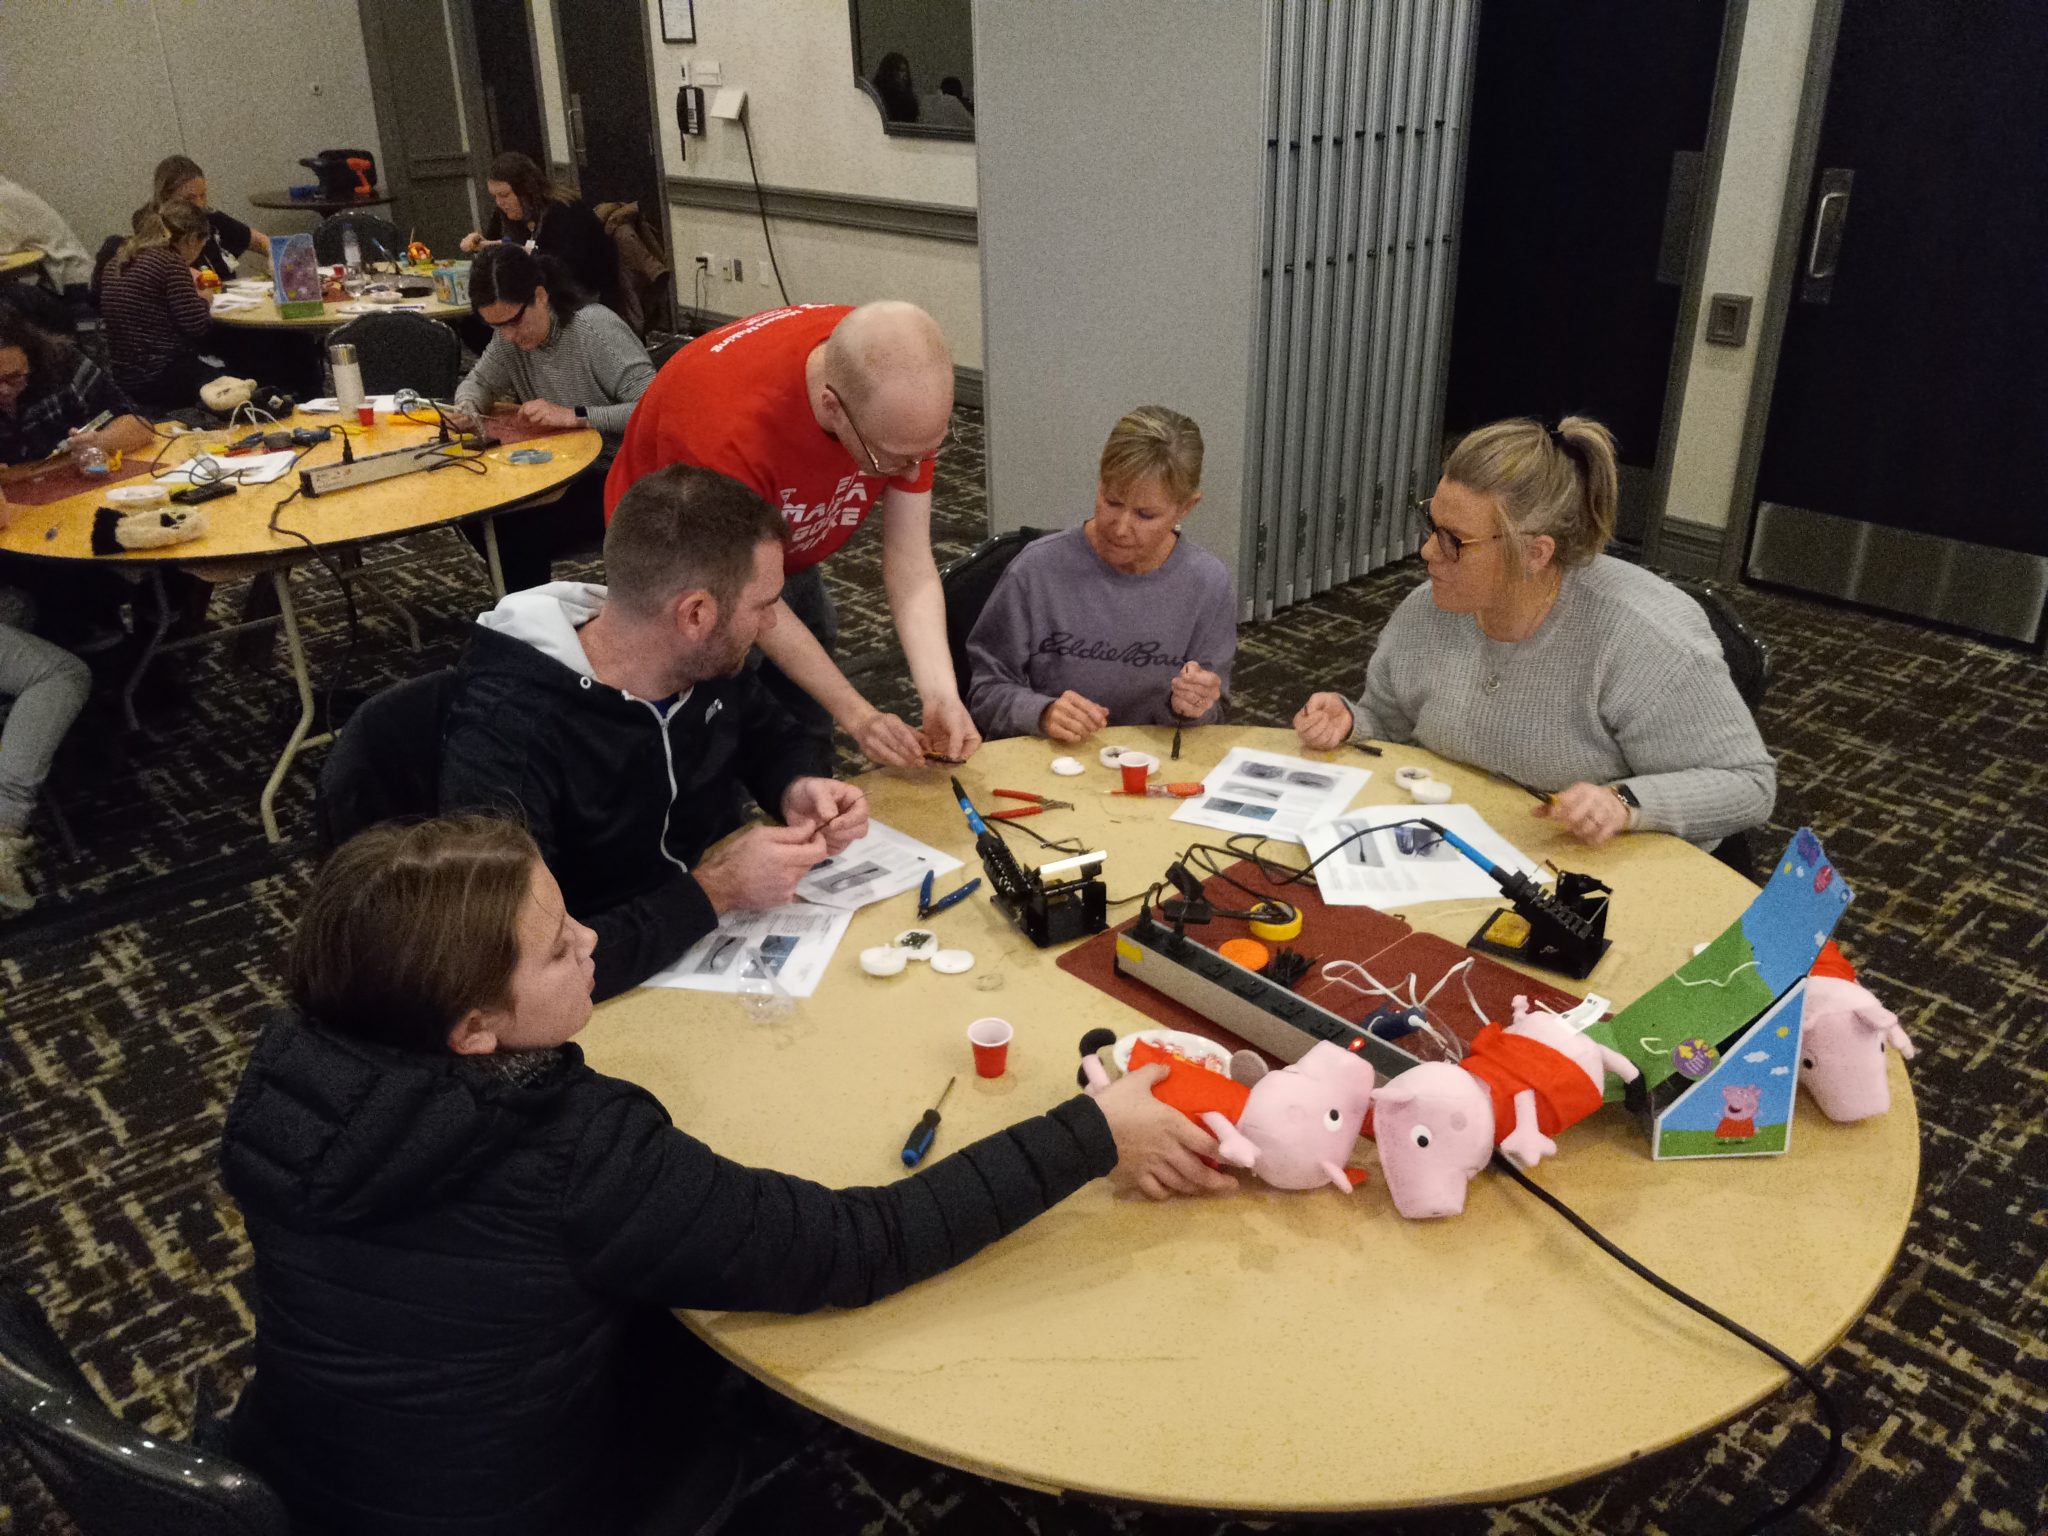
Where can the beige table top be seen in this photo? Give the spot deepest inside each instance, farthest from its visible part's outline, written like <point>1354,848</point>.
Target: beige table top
<point>20,263</point>
<point>1270,1351</point>
<point>263,315</point>
<point>237,525</point>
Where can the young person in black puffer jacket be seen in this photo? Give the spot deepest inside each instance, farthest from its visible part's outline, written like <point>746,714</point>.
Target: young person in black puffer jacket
<point>467,1240</point>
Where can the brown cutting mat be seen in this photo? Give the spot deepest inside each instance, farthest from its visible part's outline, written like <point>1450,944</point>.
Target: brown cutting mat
<point>61,481</point>
<point>1381,941</point>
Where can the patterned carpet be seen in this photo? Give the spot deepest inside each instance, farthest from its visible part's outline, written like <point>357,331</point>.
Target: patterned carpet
<point>130,996</point>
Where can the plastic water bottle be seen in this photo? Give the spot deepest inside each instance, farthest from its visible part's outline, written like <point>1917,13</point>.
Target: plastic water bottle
<point>351,261</point>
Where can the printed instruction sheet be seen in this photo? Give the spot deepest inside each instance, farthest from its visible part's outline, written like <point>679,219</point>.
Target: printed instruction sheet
<point>1387,866</point>
<point>786,948</point>
<point>882,864</point>
<point>1266,792</point>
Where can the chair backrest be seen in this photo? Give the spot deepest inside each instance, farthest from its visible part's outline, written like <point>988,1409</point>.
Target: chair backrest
<point>403,351</point>
<point>377,239</point>
<point>969,582</point>
<point>1749,659</point>
<point>386,766</point>
<point>111,1478</point>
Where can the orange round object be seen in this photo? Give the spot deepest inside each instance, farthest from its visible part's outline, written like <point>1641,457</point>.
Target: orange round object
<point>1249,953</point>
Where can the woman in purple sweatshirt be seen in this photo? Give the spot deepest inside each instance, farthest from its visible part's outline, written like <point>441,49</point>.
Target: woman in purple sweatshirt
<point>1121,621</point>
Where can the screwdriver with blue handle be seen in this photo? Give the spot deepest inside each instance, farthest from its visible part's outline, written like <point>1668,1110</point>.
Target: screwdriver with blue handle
<point>920,1139</point>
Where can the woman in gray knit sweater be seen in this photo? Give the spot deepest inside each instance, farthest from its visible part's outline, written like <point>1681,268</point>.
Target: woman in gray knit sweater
<point>565,362</point>
<point>1534,656</point>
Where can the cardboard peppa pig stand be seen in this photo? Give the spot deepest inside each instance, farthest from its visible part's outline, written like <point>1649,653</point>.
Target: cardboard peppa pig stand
<point>1280,1350</point>
<point>1716,1043</point>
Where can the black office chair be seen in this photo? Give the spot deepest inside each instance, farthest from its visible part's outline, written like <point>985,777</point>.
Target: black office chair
<point>386,765</point>
<point>107,1475</point>
<point>1749,664</point>
<point>1749,659</point>
<point>377,240</point>
<point>970,582</point>
<point>403,351</point>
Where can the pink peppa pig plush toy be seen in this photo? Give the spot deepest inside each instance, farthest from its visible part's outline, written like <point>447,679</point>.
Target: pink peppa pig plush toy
<point>1293,1126</point>
<point>1842,1041</point>
<point>1437,1124</point>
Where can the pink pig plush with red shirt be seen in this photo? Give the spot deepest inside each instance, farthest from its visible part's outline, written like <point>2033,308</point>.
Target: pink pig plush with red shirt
<point>1842,1042</point>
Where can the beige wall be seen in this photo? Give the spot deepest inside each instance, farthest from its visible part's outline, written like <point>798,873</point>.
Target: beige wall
<point>97,91</point>
<point>816,130</point>
<point>1747,213</point>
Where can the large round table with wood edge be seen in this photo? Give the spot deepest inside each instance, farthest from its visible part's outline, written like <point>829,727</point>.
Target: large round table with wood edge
<point>241,542</point>
<point>263,315</point>
<point>1266,1352</point>
<point>22,264</point>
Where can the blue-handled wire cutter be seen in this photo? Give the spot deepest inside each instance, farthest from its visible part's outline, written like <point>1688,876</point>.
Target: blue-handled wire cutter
<point>926,907</point>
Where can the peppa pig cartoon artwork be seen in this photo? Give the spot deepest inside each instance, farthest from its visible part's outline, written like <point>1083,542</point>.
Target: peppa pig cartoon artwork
<point>1293,1126</point>
<point>1738,1120</point>
<point>1699,1031</point>
<point>1743,1106</point>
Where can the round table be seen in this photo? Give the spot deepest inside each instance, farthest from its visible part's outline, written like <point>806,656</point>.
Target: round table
<point>320,203</point>
<point>239,541</point>
<point>263,314</point>
<point>1273,1352</point>
<point>20,264</point>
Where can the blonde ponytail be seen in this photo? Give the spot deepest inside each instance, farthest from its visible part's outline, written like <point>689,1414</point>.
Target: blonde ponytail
<point>1558,481</point>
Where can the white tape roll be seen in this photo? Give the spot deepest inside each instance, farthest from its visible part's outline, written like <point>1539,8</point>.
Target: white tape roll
<point>136,498</point>
<point>884,960</point>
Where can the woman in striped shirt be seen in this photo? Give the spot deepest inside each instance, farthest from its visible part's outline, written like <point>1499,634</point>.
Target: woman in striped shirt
<point>155,314</point>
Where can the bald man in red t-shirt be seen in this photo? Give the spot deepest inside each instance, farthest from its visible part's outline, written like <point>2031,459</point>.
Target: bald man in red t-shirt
<point>825,410</point>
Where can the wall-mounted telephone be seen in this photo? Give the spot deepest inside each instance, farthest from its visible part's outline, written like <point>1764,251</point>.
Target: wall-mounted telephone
<point>690,111</point>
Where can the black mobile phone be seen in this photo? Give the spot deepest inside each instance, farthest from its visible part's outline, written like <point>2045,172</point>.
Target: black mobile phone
<point>192,495</point>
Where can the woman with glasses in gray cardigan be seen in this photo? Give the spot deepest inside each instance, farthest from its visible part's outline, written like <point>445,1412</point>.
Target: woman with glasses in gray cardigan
<point>1532,655</point>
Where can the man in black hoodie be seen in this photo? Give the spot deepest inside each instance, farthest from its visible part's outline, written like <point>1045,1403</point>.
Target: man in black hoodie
<point>618,723</point>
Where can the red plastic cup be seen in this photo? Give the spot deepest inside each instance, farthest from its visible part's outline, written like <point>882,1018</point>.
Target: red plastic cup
<point>1137,768</point>
<point>366,413</point>
<point>991,1041</point>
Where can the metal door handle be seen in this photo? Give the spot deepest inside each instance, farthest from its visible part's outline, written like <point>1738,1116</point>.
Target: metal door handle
<point>1824,251</point>
<point>1827,234</point>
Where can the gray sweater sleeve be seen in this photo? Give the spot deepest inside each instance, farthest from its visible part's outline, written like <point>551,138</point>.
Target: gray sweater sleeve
<point>1000,698</point>
<point>492,379</point>
<point>1696,760</point>
<point>620,365</point>
<point>1378,714</point>
<point>1215,643</point>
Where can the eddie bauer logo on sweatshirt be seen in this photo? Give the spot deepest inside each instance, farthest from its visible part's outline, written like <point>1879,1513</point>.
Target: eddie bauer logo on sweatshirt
<point>1141,653</point>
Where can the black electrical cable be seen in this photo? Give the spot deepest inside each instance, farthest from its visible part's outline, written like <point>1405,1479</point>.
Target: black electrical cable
<point>761,203</point>
<point>1825,1473</point>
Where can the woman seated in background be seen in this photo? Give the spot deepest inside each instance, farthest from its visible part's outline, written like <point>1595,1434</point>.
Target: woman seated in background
<point>154,312</point>
<point>549,220</point>
<point>1534,656</point>
<point>566,362</point>
<point>1121,621</point>
<point>467,1241</point>
<point>178,179</point>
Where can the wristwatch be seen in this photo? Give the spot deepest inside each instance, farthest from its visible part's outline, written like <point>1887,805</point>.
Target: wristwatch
<point>583,413</point>
<point>1628,799</point>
